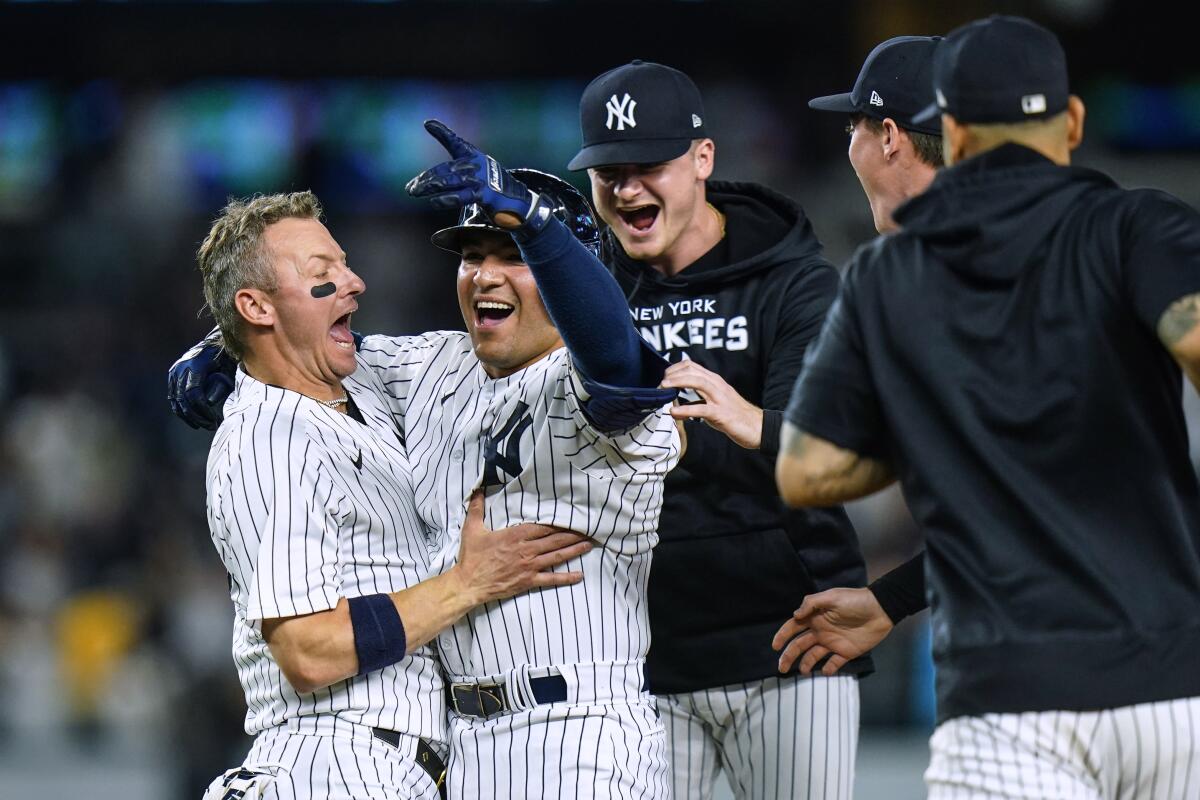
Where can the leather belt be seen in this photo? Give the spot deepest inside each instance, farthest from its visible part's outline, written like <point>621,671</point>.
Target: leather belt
<point>489,698</point>
<point>426,757</point>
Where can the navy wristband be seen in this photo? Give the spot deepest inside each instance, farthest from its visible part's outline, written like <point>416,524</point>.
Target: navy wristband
<point>378,632</point>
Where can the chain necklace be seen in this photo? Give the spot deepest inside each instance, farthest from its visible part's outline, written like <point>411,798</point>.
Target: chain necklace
<point>333,403</point>
<point>720,218</point>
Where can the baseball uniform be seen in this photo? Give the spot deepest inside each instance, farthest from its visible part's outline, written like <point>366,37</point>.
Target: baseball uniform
<point>307,505</point>
<point>528,440</point>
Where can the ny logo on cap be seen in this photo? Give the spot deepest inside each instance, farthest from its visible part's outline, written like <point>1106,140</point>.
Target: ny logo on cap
<point>622,111</point>
<point>875,100</point>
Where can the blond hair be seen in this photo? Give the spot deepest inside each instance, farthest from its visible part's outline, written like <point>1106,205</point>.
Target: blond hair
<point>233,256</point>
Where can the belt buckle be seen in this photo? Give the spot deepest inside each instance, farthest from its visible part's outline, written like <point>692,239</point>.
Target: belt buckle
<point>484,699</point>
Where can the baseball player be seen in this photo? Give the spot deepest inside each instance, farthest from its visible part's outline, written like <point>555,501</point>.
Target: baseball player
<point>547,696</point>
<point>310,504</point>
<point>728,279</point>
<point>1014,355</point>
<point>895,160</point>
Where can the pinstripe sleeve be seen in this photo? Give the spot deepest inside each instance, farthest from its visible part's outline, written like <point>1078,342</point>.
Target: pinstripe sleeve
<point>652,445</point>
<point>400,360</point>
<point>293,503</point>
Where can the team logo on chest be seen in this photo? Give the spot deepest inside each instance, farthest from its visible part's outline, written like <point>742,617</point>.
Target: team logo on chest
<point>508,439</point>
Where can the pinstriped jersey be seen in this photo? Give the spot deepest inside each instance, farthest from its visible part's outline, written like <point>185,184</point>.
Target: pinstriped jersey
<point>307,505</point>
<point>526,439</point>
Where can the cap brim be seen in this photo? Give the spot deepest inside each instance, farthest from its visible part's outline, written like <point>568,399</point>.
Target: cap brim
<point>930,113</point>
<point>645,151</point>
<point>834,102</point>
<point>451,238</point>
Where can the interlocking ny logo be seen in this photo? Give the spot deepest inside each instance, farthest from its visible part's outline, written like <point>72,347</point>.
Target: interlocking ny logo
<point>622,111</point>
<point>510,460</point>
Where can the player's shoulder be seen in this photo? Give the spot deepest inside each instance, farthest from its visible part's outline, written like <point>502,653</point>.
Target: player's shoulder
<point>417,344</point>
<point>1148,207</point>
<point>261,416</point>
<point>431,350</point>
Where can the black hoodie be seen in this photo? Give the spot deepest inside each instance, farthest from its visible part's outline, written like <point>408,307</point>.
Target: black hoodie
<point>733,562</point>
<point>1001,352</point>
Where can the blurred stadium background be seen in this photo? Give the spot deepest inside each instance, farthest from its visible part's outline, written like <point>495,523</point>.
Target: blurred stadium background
<point>125,125</point>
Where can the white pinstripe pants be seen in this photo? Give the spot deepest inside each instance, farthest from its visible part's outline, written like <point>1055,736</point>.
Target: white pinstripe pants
<point>1149,751</point>
<point>561,750</point>
<point>776,738</point>
<point>347,766</point>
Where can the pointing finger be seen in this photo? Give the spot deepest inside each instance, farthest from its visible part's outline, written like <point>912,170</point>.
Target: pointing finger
<point>455,145</point>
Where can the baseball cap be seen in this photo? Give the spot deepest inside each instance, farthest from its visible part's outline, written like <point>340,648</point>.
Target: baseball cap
<point>998,69</point>
<point>895,81</point>
<point>638,113</point>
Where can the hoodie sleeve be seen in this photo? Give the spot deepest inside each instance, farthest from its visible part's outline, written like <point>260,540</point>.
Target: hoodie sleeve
<point>835,398</point>
<point>805,301</point>
<point>1161,257</point>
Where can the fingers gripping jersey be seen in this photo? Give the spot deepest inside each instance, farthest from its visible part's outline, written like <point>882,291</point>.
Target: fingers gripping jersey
<point>305,506</point>
<point>527,440</point>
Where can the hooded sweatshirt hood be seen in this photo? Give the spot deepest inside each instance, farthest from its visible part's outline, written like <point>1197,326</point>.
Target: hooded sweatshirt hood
<point>989,215</point>
<point>763,230</point>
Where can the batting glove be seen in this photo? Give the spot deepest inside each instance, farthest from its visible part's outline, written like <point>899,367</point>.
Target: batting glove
<point>199,382</point>
<point>475,177</point>
<point>203,377</point>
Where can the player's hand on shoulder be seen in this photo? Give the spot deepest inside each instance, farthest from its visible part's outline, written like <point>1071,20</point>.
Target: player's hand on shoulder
<point>720,405</point>
<point>493,565</point>
<point>200,381</point>
<point>837,624</point>
<point>473,176</point>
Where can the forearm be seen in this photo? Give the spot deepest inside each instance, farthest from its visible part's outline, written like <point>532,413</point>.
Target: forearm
<point>433,605</point>
<point>814,472</point>
<point>318,650</point>
<point>589,310</point>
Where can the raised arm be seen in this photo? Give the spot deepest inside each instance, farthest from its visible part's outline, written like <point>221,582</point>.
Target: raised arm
<point>582,298</point>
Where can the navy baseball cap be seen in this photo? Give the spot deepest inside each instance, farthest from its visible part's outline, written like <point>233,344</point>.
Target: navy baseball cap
<point>638,113</point>
<point>895,81</point>
<point>999,69</point>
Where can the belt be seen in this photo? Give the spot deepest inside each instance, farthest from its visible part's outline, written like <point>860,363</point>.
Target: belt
<point>488,698</point>
<point>427,757</point>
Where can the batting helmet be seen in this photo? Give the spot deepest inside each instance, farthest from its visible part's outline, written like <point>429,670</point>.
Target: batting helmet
<point>570,206</point>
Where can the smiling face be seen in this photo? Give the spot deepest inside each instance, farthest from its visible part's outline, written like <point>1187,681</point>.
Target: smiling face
<point>305,334</point>
<point>658,211</point>
<point>500,304</point>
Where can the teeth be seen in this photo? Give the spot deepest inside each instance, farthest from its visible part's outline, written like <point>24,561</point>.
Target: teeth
<point>489,304</point>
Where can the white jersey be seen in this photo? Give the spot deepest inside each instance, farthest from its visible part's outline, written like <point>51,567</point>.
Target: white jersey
<point>526,439</point>
<point>306,506</point>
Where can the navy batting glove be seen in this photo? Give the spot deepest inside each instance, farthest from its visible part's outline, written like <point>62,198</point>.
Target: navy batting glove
<point>475,177</point>
<point>199,382</point>
<point>358,337</point>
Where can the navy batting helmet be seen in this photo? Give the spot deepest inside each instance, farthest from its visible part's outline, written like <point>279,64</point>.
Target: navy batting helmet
<point>570,206</point>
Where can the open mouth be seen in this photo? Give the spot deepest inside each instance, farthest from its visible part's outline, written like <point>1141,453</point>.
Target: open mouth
<point>640,219</point>
<point>340,332</point>
<point>490,313</point>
